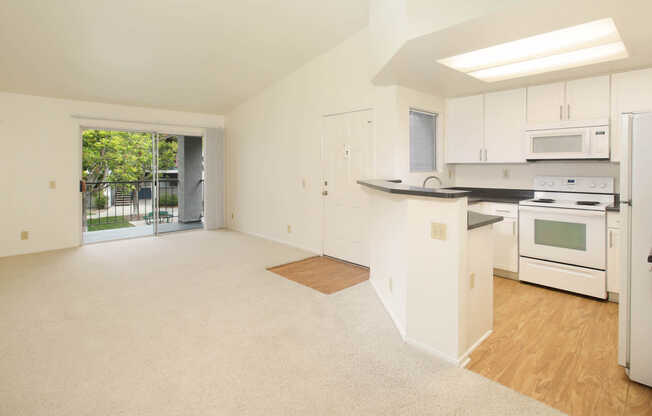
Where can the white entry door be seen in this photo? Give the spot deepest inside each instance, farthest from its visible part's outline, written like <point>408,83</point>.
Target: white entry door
<point>348,156</point>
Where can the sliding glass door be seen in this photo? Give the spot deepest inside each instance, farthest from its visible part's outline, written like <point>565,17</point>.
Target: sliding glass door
<point>180,183</point>
<point>117,184</point>
<point>136,184</point>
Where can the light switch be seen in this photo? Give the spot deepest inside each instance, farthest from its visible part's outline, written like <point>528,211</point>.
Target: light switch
<point>438,231</point>
<point>53,184</point>
<point>24,235</point>
<point>472,280</point>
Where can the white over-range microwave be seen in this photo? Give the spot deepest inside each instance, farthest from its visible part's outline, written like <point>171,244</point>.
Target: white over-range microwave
<point>561,143</point>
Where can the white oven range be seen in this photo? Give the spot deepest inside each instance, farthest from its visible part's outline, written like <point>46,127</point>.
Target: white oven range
<point>562,234</point>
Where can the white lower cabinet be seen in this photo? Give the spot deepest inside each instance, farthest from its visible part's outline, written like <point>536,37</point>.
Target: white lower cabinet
<point>505,235</point>
<point>506,245</point>
<point>613,252</point>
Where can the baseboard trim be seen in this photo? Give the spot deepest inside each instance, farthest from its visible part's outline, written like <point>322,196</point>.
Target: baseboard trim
<point>506,274</point>
<point>276,240</point>
<point>613,297</point>
<point>465,359</point>
<point>385,303</point>
<point>432,351</point>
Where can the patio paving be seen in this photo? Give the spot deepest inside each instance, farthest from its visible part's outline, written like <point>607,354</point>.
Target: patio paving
<point>138,231</point>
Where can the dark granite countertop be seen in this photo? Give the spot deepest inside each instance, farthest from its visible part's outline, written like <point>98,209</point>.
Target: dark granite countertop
<point>506,196</point>
<point>477,220</point>
<point>395,187</point>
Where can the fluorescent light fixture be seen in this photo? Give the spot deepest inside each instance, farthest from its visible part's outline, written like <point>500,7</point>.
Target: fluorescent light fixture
<point>604,53</point>
<point>585,44</point>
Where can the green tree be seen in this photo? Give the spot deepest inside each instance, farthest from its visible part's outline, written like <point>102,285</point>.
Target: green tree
<point>120,156</point>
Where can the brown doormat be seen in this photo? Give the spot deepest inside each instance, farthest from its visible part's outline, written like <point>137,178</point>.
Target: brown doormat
<point>324,274</point>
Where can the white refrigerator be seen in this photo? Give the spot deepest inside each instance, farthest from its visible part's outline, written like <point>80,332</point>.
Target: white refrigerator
<point>635,308</point>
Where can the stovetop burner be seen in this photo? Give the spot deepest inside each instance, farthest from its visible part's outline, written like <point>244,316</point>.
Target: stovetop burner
<point>544,200</point>
<point>587,203</point>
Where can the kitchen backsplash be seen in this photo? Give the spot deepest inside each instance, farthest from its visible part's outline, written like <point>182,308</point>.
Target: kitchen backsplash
<point>521,176</point>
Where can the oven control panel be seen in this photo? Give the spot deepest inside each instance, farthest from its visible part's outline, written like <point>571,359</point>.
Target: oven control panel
<point>583,184</point>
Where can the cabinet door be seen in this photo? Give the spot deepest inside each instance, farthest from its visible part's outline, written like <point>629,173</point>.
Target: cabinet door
<point>588,98</point>
<point>506,245</point>
<point>630,92</point>
<point>613,259</point>
<point>504,126</point>
<point>545,103</point>
<point>464,120</point>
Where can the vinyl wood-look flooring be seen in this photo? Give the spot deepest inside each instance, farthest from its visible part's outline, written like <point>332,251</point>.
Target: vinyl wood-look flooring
<point>325,274</point>
<point>561,349</point>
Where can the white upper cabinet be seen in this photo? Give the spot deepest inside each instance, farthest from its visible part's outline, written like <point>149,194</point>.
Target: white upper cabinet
<point>588,98</point>
<point>490,127</point>
<point>581,99</point>
<point>630,92</point>
<point>464,129</point>
<point>545,103</point>
<point>504,125</point>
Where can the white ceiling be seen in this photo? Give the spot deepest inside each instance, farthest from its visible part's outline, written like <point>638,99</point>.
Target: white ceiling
<point>191,55</point>
<point>415,64</point>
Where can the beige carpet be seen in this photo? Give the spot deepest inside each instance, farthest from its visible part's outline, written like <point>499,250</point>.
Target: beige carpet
<point>193,324</point>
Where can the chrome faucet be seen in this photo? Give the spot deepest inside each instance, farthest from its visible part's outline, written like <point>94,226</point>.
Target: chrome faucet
<point>432,177</point>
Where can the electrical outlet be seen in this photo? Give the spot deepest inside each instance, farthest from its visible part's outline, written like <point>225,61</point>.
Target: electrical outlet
<point>289,229</point>
<point>53,184</point>
<point>472,280</point>
<point>438,231</point>
<point>24,235</point>
<point>390,284</point>
<point>505,173</point>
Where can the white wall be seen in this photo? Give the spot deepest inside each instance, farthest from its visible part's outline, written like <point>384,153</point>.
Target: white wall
<point>407,99</point>
<point>427,16</point>
<point>40,143</point>
<point>274,141</point>
<point>388,26</point>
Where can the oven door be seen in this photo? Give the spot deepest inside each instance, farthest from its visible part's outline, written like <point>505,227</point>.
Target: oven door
<point>569,236</point>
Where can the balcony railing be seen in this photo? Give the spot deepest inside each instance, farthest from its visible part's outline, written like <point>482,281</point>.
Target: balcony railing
<point>126,204</point>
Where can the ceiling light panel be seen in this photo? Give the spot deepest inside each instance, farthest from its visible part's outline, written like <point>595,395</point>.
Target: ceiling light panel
<point>551,51</point>
<point>588,56</point>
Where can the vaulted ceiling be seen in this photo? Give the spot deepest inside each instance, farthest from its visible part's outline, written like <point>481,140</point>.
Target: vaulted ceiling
<point>191,55</point>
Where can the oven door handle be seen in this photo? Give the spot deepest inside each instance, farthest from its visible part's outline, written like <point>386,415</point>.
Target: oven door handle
<point>569,212</point>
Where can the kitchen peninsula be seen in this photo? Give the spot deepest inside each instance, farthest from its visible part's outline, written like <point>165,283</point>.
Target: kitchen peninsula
<point>431,263</point>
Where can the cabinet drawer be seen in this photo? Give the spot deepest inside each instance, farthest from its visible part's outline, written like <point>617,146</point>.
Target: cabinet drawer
<point>613,219</point>
<point>504,210</point>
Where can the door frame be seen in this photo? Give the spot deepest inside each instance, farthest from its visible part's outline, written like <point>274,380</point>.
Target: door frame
<point>84,123</point>
<point>323,159</point>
